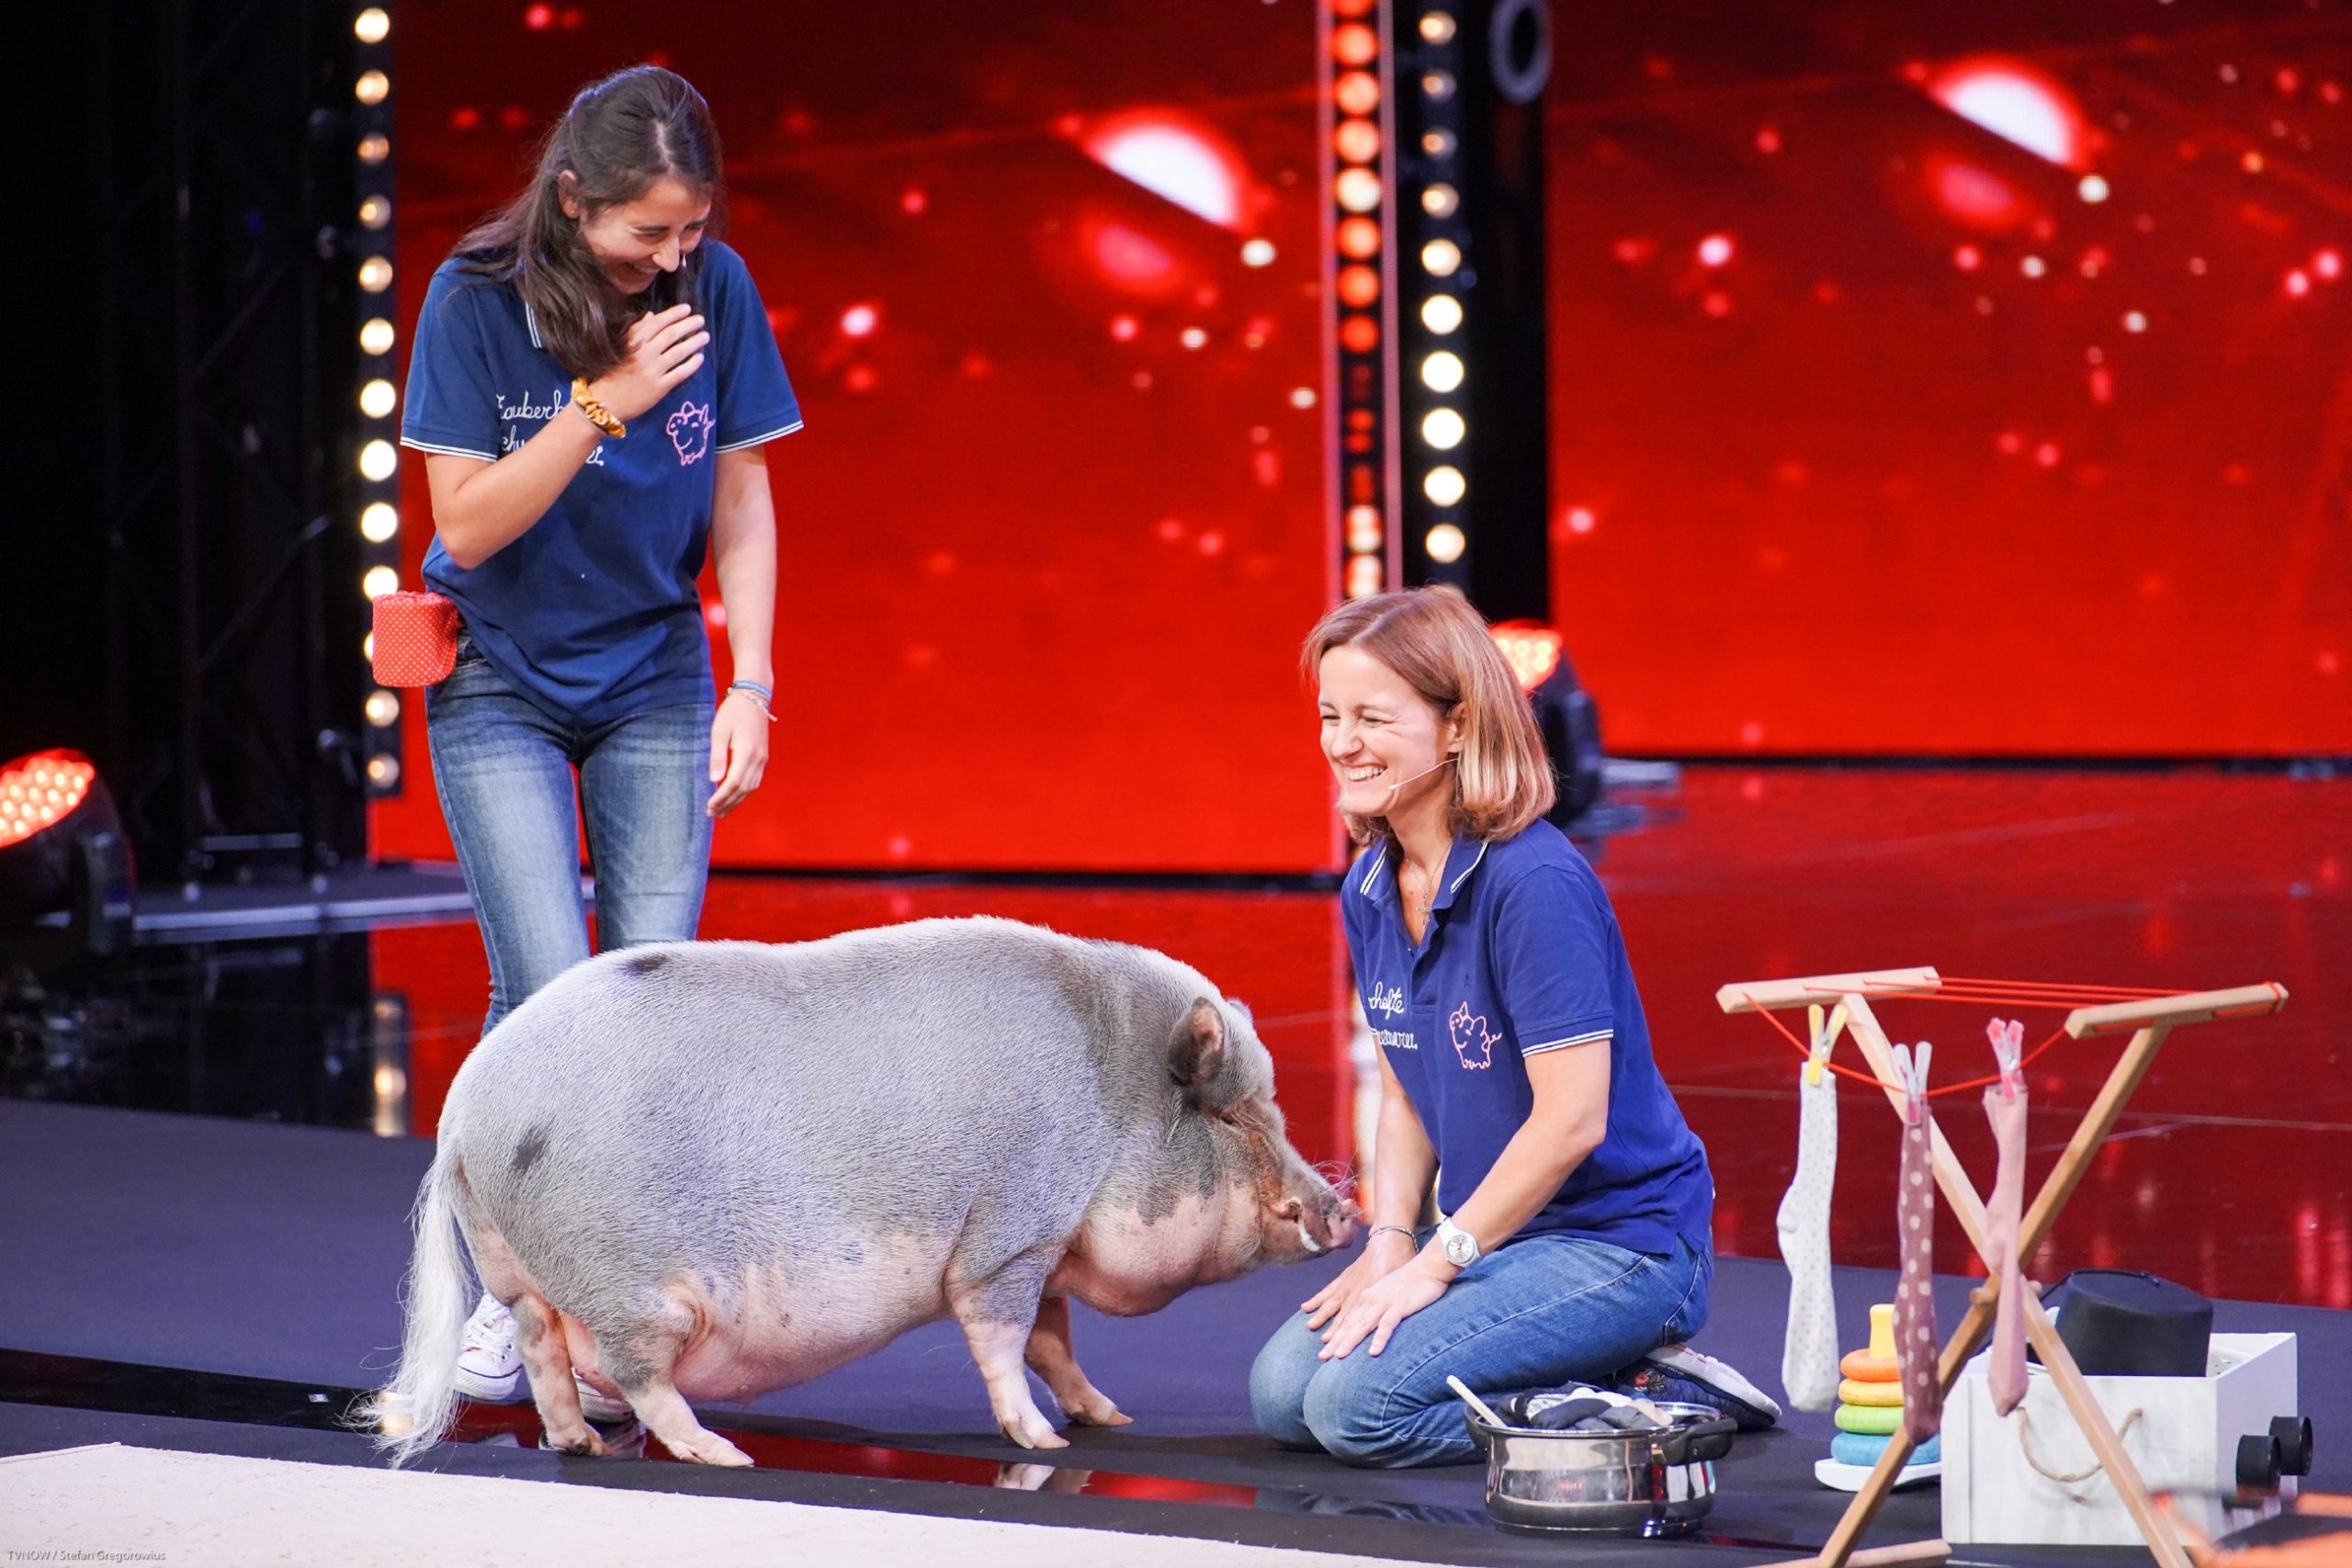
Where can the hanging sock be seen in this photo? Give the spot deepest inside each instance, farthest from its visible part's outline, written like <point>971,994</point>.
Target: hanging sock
<point>1914,1219</point>
<point>2004,1106</point>
<point>1809,1356</point>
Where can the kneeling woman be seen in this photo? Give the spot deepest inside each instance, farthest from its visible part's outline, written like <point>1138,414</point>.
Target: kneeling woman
<point>1515,1072</point>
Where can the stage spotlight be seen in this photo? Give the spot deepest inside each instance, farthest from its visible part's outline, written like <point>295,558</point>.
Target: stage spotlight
<point>1566,714</point>
<point>378,580</point>
<point>1445,487</point>
<point>373,25</point>
<point>1438,142</point>
<point>1441,200</point>
<point>373,88</point>
<point>375,211</point>
<point>1437,27</point>
<point>378,460</point>
<point>1357,140</point>
<point>1441,314</point>
<point>66,879</point>
<point>1443,429</point>
<point>1436,86</point>
<point>374,147</point>
<point>380,522</point>
<point>383,709</point>
<point>1441,371</point>
<point>375,277</point>
<point>1445,543</point>
<point>375,336</point>
<point>377,398</point>
<point>1358,190</point>
<point>1441,257</point>
<point>383,771</point>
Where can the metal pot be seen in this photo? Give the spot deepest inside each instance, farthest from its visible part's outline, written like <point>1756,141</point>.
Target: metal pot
<point>1648,1481</point>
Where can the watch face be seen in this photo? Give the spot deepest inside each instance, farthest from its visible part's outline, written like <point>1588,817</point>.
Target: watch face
<point>1460,1247</point>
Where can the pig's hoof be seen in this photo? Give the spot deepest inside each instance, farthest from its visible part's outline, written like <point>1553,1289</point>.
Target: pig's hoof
<point>1097,1411</point>
<point>1034,1432</point>
<point>709,1447</point>
<point>583,1444</point>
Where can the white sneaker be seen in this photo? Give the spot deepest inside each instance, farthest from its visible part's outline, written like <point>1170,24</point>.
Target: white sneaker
<point>1693,1377</point>
<point>600,1406</point>
<point>489,1369</point>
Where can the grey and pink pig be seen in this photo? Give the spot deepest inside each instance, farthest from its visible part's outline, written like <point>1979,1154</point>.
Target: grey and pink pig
<point>705,1171</point>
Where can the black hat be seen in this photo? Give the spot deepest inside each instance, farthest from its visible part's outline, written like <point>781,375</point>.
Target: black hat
<point>2120,1324</point>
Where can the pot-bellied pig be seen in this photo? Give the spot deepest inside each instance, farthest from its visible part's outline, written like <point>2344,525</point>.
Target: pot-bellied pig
<point>710,1169</point>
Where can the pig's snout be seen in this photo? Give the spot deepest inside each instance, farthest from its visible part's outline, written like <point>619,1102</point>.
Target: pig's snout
<point>1326,1222</point>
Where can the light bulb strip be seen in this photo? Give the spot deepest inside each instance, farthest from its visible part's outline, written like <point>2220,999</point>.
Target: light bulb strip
<point>367,249</point>
<point>1432,197</point>
<point>1357,132</point>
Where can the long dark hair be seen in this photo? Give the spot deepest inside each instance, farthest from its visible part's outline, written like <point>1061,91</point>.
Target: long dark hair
<point>619,137</point>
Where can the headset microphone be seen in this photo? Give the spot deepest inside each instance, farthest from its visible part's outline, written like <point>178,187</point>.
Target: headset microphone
<point>1397,788</point>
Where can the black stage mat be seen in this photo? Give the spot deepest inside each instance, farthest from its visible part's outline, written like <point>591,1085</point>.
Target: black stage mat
<point>275,1253</point>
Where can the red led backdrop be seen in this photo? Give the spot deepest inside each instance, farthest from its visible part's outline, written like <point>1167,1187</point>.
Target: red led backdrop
<point>1046,281</point>
<point>1926,379</point>
<point>1955,378</point>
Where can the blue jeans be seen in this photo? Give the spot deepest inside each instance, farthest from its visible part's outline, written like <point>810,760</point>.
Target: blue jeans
<point>505,772</point>
<point>1542,1312</point>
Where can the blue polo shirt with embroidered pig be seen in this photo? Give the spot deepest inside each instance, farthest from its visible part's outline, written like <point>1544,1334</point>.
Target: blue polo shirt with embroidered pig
<point>592,614</point>
<point>1522,955</point>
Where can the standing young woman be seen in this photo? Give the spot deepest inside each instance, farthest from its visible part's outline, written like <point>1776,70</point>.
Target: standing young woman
<point>1515,1073</point>
<point>594,380</point>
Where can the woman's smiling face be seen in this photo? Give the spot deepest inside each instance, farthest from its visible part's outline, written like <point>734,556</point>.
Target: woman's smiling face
<point>1382,737</point>
<point>636,241</point>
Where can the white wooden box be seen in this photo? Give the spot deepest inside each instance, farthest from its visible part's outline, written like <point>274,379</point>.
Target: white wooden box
<point>2186,1439</point>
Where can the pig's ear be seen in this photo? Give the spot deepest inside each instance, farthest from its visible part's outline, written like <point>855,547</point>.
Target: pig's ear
<point>1197,1051</point>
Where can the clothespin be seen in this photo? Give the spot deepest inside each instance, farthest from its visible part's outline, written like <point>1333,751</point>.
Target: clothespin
<point>1823,1039</point>
<point>1911,1067</point>
<point>2008,1048</point>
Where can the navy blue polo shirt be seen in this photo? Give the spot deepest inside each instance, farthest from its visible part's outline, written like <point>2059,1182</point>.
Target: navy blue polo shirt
<point>591,613</point>
<point>1522,955</point>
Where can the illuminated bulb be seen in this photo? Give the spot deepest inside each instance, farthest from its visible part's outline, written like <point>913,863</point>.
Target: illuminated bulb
<point>1357,237</point>
<point>1358,92</point>
<point>378,460</point>
<point>1257,253</point>
<point>377,398</point>
<point>1440,313</point>
<point>379,582</point>
<point>1437,27</point>
<point>1441,371</point>
<point>376,337</point>
<point>1437,86</point>
<point>1714,250</point>
<point>1441,200</point>
<point>1438,142</point>
<point>1358,189</point>
<point>2092,189</point>
<point>2133,321</point>
<point>378,520</point>
<point>1302,397</point>
<point>374,147</point>
<point>2033,266</point>
<point>371,25</point>
<point>373,88</point>
<point>1363,576</point>
<point>383,770</point>
<point>1445,543</point>
<point>375,212</point>
<point>1443,429</point>
<point>1439,257</point>
<point>1354,44</point>
<point>367,647</point>
<point>383,709</point>
<point>1191,337</point>
<point>1364,530</point>
<point>375,277</point>
<point>1357,140</point>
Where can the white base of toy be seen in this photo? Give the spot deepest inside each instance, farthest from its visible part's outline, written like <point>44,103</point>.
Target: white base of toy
<point>1849,1477</point>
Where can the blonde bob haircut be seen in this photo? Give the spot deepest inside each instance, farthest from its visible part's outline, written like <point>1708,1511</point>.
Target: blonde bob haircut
<point>1439,647</point>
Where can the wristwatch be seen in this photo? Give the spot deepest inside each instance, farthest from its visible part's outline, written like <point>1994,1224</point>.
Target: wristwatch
<point>1460,1247</point>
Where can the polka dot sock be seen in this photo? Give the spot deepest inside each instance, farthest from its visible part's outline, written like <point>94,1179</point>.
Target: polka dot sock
<point>2007,1370</point>
<point>1915,1292</point>
<point>1809,1356</point>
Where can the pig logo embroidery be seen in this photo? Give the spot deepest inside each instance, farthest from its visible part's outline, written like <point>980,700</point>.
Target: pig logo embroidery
<point>1471,1041</point>
<point>689,431</point>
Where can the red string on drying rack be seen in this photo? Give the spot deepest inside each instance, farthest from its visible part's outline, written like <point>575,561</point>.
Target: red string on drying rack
<point>1803,1050</point>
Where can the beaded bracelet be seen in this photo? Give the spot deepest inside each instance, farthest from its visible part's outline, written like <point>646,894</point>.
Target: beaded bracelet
<point>761,695</point>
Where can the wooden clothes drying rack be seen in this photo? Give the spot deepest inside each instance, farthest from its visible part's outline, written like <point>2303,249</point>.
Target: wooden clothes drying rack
<point>2150,1016</point>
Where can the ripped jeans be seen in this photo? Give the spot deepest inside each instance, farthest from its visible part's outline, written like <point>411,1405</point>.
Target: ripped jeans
<point>1545,1311</point>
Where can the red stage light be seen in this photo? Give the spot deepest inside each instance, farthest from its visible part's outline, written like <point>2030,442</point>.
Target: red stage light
<point>2328,264</point>
<point>1974,196</point>
<point>1129,257</point>
<point>1359,286</point>
<point>1714,250</point>
<point>38,791</point>
<point>1174,161</point>
<point>1358,237</point>
<point>539,19</point>
<point>1358,92</point>
<point>1359,334</point>
<point>859,320</point>
<point>1533,649</point>
<point>1354,44</point>
<point>1357,140</point>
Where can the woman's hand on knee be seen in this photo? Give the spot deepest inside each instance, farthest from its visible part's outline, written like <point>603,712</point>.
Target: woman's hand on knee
<point>1379,1307</point>
<point>1381,1254</point>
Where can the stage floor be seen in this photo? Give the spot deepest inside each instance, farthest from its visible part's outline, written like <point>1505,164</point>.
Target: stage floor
<point>198,1278</point>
